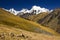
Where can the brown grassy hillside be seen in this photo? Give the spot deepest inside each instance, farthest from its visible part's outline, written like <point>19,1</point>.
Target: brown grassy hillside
<point>9,19</point>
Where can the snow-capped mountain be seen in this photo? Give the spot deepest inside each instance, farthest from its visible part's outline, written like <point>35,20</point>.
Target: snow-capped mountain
<point>25,11</point>
<point>12,10</point>
<point>34,10</point>
<point>38,9</point>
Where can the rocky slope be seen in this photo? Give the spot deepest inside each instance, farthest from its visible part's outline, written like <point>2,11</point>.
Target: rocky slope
<point>52,20</point>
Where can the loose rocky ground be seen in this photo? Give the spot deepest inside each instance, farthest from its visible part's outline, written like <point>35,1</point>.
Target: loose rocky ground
<point>18,34</point>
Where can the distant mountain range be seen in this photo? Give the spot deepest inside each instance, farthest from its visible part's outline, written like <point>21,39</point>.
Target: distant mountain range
<point>34,10</point>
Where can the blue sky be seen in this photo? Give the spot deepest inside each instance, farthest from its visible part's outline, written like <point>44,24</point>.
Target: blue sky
<point>19,4</point>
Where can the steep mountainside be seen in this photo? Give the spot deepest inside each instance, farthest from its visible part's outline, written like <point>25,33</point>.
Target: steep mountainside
<point>9,19</point>
<point>38,16</point>
<point>33,17</point>
<point>52,20</point>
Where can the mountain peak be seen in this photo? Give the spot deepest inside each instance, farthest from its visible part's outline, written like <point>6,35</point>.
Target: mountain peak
<point>38,9</point>
<point>25,11</point>
<point>12,9</point>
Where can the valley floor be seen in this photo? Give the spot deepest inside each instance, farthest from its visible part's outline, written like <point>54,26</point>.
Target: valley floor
<point>10,33</point>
